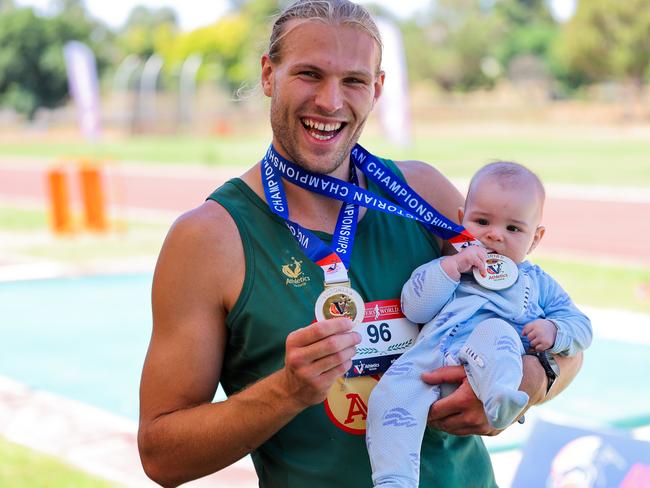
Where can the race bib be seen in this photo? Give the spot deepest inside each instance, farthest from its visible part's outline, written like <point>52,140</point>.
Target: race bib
<point>386,334</point>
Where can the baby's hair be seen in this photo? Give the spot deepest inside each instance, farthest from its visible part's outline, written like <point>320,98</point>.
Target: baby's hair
<point>508,173</point>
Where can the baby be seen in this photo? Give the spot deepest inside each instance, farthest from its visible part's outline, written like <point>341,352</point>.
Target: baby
<point>468,324</point>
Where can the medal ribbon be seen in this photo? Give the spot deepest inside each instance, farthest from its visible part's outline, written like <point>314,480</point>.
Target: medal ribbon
<point>381,175</point>
<point>402,192</point>
<point>334,262</point>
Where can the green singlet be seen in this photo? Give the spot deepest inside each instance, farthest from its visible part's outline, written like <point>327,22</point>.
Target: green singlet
<point>317,449</point>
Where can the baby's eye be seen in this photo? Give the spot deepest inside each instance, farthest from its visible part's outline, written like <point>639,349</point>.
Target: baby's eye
<point>513,228</point>
<point>482,222</point>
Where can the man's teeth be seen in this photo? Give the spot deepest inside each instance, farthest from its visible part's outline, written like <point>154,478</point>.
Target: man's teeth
<point>320,126</point>
<point>320,137</point>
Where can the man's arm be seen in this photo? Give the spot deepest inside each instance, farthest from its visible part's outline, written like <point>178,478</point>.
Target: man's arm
<point>461,413</point>
<point>182,435</point>
<point>569,368</point>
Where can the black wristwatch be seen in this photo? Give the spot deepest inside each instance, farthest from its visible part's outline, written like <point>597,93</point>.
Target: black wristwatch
<point>550,366</point>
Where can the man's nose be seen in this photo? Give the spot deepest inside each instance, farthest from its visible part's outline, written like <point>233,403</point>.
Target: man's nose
<point>329,96</point>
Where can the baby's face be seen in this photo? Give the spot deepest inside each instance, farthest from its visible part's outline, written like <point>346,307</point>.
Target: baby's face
<point>503,218</point>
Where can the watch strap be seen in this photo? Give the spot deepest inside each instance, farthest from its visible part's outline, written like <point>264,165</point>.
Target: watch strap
<point>544,360</point>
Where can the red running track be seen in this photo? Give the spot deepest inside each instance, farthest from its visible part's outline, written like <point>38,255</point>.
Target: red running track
<point>612,229</point>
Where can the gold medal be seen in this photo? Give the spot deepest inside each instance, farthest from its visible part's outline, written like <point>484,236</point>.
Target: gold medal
<point>340,301</point>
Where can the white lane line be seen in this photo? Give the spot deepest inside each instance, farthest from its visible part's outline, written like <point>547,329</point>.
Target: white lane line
<point>90,438</point>
<point>619,325</point>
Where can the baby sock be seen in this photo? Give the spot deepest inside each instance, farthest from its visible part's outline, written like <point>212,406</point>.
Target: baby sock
<point>492,360</point>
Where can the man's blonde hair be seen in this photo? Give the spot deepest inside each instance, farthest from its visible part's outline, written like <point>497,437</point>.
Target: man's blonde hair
<point>332,12</point>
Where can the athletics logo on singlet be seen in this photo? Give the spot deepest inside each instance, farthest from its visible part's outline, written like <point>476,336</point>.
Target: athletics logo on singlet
<point>294,274</point>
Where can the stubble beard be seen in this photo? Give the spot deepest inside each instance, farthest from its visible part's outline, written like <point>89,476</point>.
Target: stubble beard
<point>288,139</point>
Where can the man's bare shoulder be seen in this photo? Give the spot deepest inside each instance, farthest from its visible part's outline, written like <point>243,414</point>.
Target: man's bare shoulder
<point>208,222</point>
<point>207,243</point>
<point>210,233</point>
<point>433,186</point>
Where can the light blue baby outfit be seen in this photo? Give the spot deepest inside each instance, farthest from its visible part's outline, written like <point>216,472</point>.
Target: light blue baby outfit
<point>470,325</point>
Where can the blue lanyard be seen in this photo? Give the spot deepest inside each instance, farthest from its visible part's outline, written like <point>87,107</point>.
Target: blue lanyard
<point>418,208</point>
<point>334,262</point>
<point>425,213</point>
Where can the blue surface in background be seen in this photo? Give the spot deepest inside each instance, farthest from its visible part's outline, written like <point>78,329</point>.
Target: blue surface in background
<point>83,338</point>
<point>86,338</point>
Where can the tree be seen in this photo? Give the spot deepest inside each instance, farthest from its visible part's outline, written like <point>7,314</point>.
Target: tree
<point>147,30</point>
<point>609,40</point>
<point>528,29</point>
<point>450,46</point>
<point>151,17</point>
<point>230,47</point>
<point>29,77</point>
<point>222,46</point>
<point>70,7</point>
<point>32,69</point>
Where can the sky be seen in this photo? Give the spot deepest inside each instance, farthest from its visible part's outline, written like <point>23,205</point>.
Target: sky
<point>196,13</point>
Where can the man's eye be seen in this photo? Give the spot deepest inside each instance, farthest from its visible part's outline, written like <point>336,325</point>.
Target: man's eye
<point>355,81</point>
<point>309,74</point>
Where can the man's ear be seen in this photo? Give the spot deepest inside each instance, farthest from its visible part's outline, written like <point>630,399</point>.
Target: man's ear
<point>539,233</point>
<point>267,75</point>
<point>378,87</point>
<point>461,214</point>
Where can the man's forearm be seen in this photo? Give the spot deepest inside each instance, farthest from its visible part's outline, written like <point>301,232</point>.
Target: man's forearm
<point>534,381</point>
<point>190,443</point>
<point>569,368</point>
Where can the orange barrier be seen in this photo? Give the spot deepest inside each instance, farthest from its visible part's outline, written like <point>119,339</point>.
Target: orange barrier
<point>93,197</point>
<point>92,193</point>
<point>61,218</point>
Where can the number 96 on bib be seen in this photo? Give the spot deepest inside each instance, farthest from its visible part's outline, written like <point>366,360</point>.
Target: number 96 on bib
<point>386,335</point>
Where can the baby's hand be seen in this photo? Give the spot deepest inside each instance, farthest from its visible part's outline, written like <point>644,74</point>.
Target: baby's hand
<point>465,260</point>
<point>541,334</point>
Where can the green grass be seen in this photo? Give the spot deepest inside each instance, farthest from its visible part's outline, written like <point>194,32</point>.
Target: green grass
<point>29,229</point>
<point>87,248</point>
<point>21,467</point>
<point>601,285</point>
<point>149,149</point>
<point>33,219</point>
<point>17,219</point>
<point>590,283</point>
<point>556,157</point>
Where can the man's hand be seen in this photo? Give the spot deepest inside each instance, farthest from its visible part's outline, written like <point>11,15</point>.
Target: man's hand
<point>460,413</point>
<point>541,334</point>
<point>316,355</point>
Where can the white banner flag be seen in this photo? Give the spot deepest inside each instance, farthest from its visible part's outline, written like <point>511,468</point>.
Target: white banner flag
<point>393,105</point>
<point>84,88</point>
